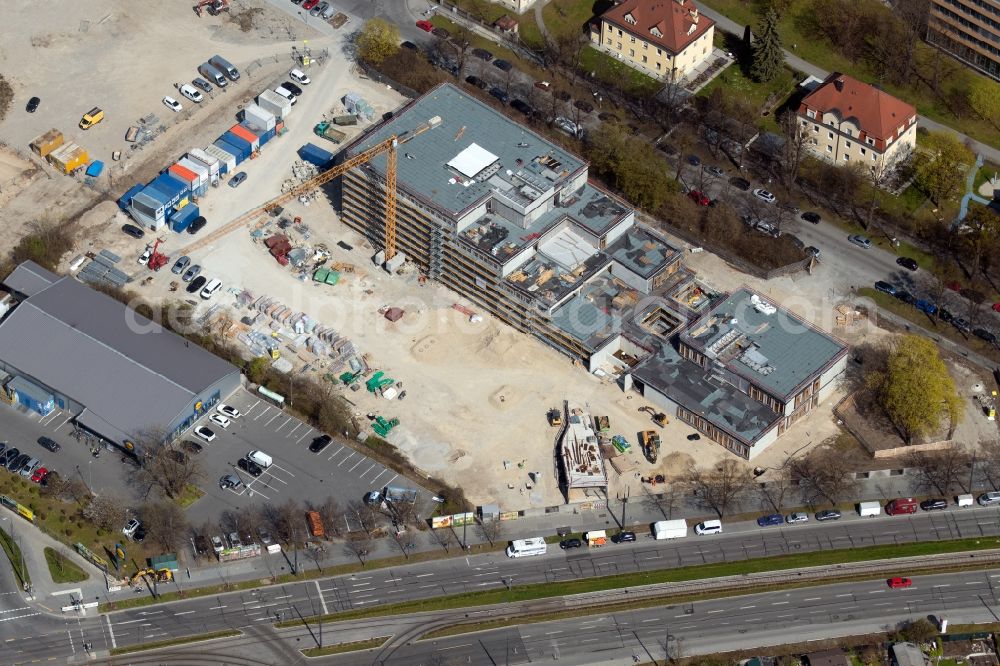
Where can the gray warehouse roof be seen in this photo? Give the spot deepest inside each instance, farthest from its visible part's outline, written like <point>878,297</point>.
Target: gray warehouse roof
<point>29,278</point>
<point>767,344</point>
<point>129,373</point>
<point>423,162</point>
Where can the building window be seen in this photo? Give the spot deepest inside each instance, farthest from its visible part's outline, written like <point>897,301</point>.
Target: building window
<point>659,52</point>
<point>620,33</point>
<point>619,46</point>
<point>847,158</point>
<point>816,128</point>
<point>631,40</point>
<point>874,157</point>
<point>870,141</point>
<point>645,59</point>
<point>631,53</point>
<point>829,149</point>
<point>849,133</point>
<point>810,113</point>
<point>863,152</point>
<point>830,134</point>
<point>609,41</point>
<point>645,45</point>
<point>659,66</point>
<point>609,27</point>
<point>847,144</point>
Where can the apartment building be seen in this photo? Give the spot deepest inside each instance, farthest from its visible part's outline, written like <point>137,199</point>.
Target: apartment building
<point>849,122</point>
<point>969,30</point>
<point>665,39</point>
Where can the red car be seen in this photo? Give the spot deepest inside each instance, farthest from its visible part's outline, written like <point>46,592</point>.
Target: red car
<point>309,4</point>
<point>899,582</point>
<point>996,307</point>
<point>699,198</point>
<point>426,26</point>
<point>39,474</point>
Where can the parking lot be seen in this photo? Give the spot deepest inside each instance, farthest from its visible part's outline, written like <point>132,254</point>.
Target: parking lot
<point>296,473</point>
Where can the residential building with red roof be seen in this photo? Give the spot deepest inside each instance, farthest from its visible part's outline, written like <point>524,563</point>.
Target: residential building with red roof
<point>849,122</point>
<point>665,39</point>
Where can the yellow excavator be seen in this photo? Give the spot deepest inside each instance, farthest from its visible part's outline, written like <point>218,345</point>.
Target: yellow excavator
<point>161,575</point>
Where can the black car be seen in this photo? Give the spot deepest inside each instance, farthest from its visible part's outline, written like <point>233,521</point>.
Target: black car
<point>250,467</point>
<point>139,534</point>
<point>500,95</point>
<point>907,263</point>
<point>827,514</point>
<point>623,537</point>
<point>133,231</point>
<point>320,443</point>
<point>983,334</point>
<point>409,45</point>
<point>32,105</point>
<point>885,288</point>
<point>294,88</point>
<point>740,183</point>
<point>693,437</point>
<point>693,160</point>
<point>522,106</point>
<point>945,316</point>
<point>49,444</point>
<point>191,447</point>
<point>476,81</point>
<point>18,463</point>
<point>503,65</point>
<point>811,217</point>
<point>8,459</point>
<point>198,224</point>
<point>904,296</point>
<point>196,284</point>
<point>482,54</point>
<point>570,543</point>
<point>934,504</point>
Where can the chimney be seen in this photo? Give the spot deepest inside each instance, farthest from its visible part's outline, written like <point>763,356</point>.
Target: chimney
<point>839,85</point>
<point>694,14</point>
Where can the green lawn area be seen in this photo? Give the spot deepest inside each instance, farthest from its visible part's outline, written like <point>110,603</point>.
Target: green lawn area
<point>529,32</point>
<point>14,552</point>
<point>481,10</point>
<point>191,494</point>
<point>564,17</point>
<point>616,73</point>
<point>341,648</point>
<point>62,569</point>
<point>820,53</point>
<point>778,90</point>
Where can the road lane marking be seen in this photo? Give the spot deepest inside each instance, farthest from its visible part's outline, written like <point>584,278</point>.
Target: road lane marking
<point>212,608</point>
<point>183,613</point>
<point>719,610</point>
<point>652,619</point>
<point>424,574</point>
<point>845,595</point>
<point>813,599</point>
<point>322,601</point>
<point>779,603</point>
<point>876,591</point>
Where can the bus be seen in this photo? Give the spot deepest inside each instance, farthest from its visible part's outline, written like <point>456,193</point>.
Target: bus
<point>527,547</point>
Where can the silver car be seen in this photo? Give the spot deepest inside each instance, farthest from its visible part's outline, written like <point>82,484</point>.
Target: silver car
<point>191,273</point>
<point>180,265</point>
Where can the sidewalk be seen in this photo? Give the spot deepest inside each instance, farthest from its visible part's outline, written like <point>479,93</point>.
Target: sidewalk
<point>33,542</point>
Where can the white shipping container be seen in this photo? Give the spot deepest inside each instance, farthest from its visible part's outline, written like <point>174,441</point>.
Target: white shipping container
<point>258,117</point>
<point>274,103</point>
<point>224,158</point>
<point>200,169</point>
<point>200,156</point>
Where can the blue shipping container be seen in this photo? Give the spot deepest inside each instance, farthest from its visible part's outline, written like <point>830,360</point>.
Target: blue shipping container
<point>239,142</point>
<point>267,136</point>
<point>231,149</point>
<point>315,155</point>
<point>174,189</point>
<point>32,395</point>
<point>126,198</point>
<point>183,217</point>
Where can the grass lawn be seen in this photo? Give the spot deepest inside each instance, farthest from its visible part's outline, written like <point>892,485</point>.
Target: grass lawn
<point>141,647</point>
<point>987,171</point>
<point>822,54</point>
<point>529,32</point>
<point>615,72</point>
<point>481,10</point>
<point>62,569</point>
<point>190,495</point>
<point>778,90</point>
<point>939,328</point>
<point>567,17</point>
<point>341,648</point>
<point>14,553</point>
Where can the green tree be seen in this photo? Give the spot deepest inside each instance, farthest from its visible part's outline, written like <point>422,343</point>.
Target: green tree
<point>915,390</point>
<point>631,165</point>
<point>377,41</point>
<point>984,98</point>
<point>980,237</point>
<point>768,57</point>
<point>938,165</point>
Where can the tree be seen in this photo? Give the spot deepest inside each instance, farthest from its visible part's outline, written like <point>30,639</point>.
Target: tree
<point>378,40</point>
<point>940,471</point>
<point>823,474</point>
<point>366,514</point>
<point>107,512</point>
<point>775,490</point>
<point>315,552</point>
<point>915,390</point>
<point>794,149</point>
<point>918,631</point>
<point>939,165</point>
<point>984,98</point>
<point>445,538</point>
<point>631,164</point>
<point>768,57</point>
<point>285,520</point>
<point>360,545</point>
<point>490,529</point>
<point>720,488</point>
<point>166,469</point>
<point>333,516</point>
<point>165,523</point>
<point>980,235</point>
<point>988,460</point>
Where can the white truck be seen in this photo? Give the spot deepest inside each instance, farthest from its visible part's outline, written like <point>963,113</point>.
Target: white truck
<point>670,529</point>
<point>869,509</point>
<point>527,547</point>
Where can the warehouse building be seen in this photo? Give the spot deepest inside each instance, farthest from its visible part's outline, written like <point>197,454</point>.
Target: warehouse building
<point>116,373</point>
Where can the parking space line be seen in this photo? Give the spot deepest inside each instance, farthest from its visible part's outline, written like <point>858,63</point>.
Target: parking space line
<point>300,424</point>
<point>391,480</point>
<point>384,470</point>
<point>266,410</point>
<point>370,468</point>
<point>283,470</point>
<point>278,429</point>
<point>65,421</point>
<point>257,492</point>
<point>51,416</point>
<point>251,408</point>
<point>304,435</point>
<point>272,418</point>
<point>346,459</point>
<point>336,453</point>
<point>361,461</point>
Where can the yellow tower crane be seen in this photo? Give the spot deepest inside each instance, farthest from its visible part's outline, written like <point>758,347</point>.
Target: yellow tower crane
<point>388,146</point>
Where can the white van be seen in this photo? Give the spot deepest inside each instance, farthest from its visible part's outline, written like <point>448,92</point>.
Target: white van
<point>670,529</point>
<point>527,547</point>
<point>286,93</point>
<point>260,458</point>
<point>213,286</point>
<point>869,509</point>
<point>708,527</point>
<point>964,500</point>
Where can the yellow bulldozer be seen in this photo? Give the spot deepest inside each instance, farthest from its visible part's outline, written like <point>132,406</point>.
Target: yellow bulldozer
<point>161,575</point>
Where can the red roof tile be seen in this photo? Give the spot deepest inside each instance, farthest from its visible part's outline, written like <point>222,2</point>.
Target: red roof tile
<point>678,22</point>
<point>877,113</point>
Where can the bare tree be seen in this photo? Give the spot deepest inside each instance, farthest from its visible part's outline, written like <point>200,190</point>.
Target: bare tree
<point>665,502</point>
<point>360,545</point>
<point>366,514</point>
<point>107,511</point>
<point>333,515</point>
<point>315,552</point>
<point>70,489</point>
<point>403,511</point>
<point>283,519</point>
<point>940,471</point>
<point>446,538</point>
<point>163,468</point>
<point>720,488</point>
<point>775,490</point>
<point>794,149</point>
<point>824,474</point>
<point>490,529</point>
<point>165,523</point>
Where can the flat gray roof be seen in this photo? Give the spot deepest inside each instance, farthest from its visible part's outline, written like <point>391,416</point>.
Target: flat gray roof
<point>718,402</point>
<point>590,316</point>
<point>642,253</point>
<point>422,163</point>
<point>758,340</point>
<point>127,371</point>
<point>29,278</point>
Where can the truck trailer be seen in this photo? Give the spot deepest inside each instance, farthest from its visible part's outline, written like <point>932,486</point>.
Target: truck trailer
<point>670,529</point>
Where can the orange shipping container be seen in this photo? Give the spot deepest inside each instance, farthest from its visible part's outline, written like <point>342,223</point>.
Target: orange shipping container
<point>69,157</point>
<point>246,135</point>
<point>47,142</point>
<point>315,524</point>
<point>184,173</point>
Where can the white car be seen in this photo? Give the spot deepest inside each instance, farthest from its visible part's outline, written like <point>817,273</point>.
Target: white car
<point>764,195</point>
<point>172,104</point>
<point>287,94</point>
<point>299,76</point>
<point>144,257</point>
<point>227,411</point>
<point>192,93</point>
<point>797,517</point>
<point>205,433</point>
<point>130,527</point>
<point>220,420</point>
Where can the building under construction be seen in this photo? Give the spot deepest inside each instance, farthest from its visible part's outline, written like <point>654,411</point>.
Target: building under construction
<point>509,220</point>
